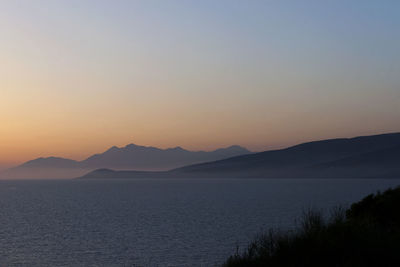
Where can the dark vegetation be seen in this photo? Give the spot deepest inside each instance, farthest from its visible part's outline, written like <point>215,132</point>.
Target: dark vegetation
<point>367,234</point>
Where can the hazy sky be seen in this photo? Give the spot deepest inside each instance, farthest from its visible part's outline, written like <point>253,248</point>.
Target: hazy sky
<point>77,77</point>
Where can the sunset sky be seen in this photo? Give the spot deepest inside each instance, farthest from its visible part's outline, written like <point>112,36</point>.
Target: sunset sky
<point>77,77</point>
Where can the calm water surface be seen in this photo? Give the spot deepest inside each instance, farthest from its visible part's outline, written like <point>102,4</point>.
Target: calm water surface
<point>154,222</point>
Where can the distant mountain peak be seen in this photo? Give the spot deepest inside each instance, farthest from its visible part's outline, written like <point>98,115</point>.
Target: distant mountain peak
<point>177,148</point>
<point>54,161</point>
<point>113,148</point>
<point>234,148</point>
<point>51,158</point>
<point>129,157</point>
<point>132,146</point>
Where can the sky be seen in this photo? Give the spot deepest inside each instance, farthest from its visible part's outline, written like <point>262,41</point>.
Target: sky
<point>78,76</point>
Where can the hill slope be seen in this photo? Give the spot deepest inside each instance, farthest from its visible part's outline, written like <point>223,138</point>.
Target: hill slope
<point>359,157</point>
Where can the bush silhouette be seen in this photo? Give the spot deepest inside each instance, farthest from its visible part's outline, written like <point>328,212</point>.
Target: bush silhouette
<point>367,234</point>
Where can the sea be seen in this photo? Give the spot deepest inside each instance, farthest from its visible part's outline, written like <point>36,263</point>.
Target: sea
<point>157,222</point>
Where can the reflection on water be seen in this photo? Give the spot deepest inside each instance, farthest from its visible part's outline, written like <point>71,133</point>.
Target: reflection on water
<point>154,222</point>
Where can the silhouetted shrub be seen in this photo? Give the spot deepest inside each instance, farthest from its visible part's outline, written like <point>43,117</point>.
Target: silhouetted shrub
<point>367,234</point>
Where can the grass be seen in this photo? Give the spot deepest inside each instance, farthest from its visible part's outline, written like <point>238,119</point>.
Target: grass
<point>366,234</point>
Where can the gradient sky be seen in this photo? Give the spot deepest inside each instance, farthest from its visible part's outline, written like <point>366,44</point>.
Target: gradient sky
<point>77,77</point>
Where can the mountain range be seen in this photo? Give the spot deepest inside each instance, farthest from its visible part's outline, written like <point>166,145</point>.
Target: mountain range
<point>376,156</point>
<point>130,157</point>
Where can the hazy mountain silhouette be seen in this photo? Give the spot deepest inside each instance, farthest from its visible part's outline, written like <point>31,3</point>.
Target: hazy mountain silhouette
<point>53,162</point>
<point>131,157</point>
<point>360,157</point>
<point>152,158</point>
